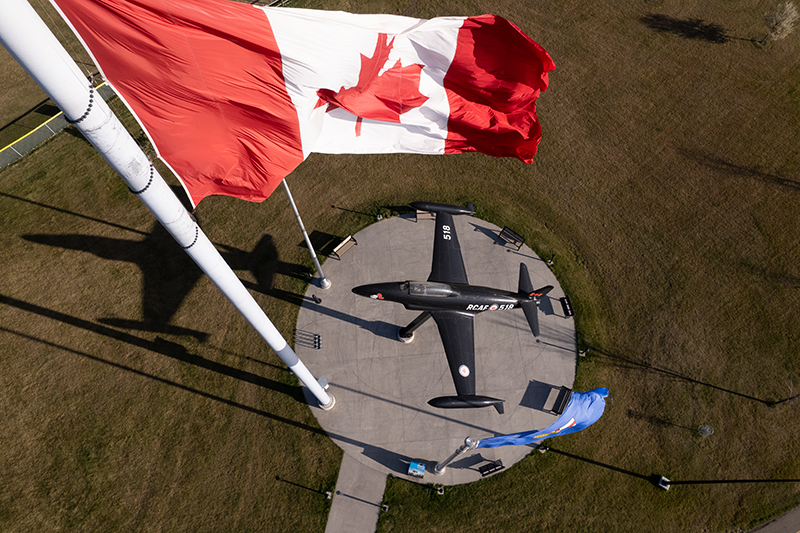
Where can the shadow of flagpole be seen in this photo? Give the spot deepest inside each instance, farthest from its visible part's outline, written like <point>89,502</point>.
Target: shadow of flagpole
<point>656,479</point>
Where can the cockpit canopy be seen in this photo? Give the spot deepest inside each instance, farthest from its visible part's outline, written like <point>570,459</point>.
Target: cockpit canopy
<point>427,288</point>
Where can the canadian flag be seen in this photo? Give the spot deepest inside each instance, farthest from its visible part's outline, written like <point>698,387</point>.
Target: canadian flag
<point>235,96</point>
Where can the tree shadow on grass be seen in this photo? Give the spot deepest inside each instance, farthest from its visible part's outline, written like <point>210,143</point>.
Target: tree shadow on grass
<point>732,169</point>
<point>690,28</point>
<point>656,420</point>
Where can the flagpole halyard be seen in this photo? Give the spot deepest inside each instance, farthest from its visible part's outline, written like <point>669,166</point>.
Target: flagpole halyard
<point>34,46</point>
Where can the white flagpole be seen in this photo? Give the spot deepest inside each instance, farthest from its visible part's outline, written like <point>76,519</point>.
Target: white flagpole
<point>34,46</point>
<point>324,282</point>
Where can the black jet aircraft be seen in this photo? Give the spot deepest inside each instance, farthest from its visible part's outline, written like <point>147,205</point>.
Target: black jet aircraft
<point>453,303</point>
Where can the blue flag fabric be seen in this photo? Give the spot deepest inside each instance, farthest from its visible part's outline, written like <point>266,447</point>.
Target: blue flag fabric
<point>583,410</point>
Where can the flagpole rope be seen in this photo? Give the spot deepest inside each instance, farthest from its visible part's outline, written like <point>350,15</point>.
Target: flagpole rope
<point>67,43</point>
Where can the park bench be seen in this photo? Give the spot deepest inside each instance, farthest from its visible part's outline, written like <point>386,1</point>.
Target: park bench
<point>512,238</point>
<point>490,468</point>
<point>566,305</point>
<point>558,399</point>
<point>425,215</point>
<point>347,243</point>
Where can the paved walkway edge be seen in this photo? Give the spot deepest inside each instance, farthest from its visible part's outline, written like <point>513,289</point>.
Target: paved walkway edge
<point>357,500</point>
<point>34,138</point>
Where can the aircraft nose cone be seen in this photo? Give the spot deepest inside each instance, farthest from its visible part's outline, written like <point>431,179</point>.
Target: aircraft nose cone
<point>363,290</point>
<point>370,291</point>
<point>376,291</point>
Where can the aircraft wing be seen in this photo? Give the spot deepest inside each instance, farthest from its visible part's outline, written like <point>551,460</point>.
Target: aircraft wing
<point>458,338</point>
<point>448,265</point>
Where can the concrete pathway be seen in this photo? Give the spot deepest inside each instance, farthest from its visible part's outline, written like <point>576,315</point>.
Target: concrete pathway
<point>357,500</point>
<point>788,523</point>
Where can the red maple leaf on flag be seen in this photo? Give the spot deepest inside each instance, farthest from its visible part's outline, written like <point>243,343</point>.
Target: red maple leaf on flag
<point>377,96</point>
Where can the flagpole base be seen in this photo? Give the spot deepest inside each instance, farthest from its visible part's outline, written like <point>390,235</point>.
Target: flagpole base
<point>469,444</point>
<point>325,283</point>
<point>330,405</point>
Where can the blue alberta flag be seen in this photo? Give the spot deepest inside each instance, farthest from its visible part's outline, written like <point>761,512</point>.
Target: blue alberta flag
<point>583,410</point>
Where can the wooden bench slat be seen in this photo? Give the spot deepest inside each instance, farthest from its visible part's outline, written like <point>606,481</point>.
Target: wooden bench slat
<point>347,243</point>
<point>566,305</point>
<point>558,399</point>
<point>511,237</point>
<point>491,468</point>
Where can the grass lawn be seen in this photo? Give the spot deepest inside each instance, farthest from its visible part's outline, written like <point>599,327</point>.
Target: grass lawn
<point>666,186</point>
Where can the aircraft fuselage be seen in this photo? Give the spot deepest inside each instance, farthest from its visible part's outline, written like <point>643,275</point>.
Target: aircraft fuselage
<point>432,296</point>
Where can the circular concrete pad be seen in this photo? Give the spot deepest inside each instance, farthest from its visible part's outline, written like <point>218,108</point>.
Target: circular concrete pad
<point>382,386</point>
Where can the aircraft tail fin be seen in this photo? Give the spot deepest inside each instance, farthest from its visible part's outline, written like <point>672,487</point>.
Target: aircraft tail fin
<point>531,298</point>
<point>525,285</point>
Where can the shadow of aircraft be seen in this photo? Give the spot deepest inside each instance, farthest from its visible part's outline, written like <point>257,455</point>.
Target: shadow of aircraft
<point>169,274</point>
<point>264,263</point>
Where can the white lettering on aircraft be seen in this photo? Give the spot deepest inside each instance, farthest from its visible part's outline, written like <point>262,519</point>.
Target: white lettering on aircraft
<point>446,232</point>
<point>493,307</point>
